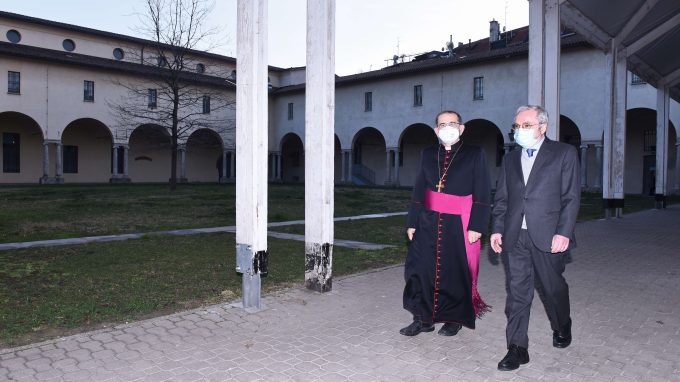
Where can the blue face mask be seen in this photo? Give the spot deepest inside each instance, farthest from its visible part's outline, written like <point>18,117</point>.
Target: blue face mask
<point>525,137</point>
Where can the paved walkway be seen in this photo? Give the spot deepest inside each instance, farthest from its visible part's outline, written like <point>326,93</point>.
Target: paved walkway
<point>625,290</point>
<point>194,231</point>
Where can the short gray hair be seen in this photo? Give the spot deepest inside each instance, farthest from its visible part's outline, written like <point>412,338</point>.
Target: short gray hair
<point>542,114</point>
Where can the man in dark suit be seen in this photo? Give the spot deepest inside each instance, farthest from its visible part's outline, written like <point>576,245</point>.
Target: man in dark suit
<point>535,208</point>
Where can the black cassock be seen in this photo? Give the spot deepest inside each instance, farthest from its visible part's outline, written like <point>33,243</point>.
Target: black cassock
<point>437,255</point>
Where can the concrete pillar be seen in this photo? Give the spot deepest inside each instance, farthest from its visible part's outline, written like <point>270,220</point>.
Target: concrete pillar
<point>584,166</point>
<point>114,159</point>
<point>661,173</point>
<point>676,187</point>
<point>613,161</point>
<point>58,168</point>
<point>598,166</point>
<point>319,144</point>
<point>346,166</point>
<point>251,148</point>
<point>544,60</point>
<point>46,162</point>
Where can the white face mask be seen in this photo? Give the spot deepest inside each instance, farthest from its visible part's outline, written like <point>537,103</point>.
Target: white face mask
<point>525,137</point>
<point>449,135</point>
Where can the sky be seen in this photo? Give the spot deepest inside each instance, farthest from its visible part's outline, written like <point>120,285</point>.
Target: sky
<point>368,32</point>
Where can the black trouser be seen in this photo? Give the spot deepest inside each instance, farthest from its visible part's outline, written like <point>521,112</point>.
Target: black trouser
<point>527,262</point>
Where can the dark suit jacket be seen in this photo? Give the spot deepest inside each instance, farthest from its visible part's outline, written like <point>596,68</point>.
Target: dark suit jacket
<point>550,199</point>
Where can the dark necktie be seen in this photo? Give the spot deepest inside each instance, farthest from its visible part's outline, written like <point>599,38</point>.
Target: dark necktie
<point>530,152</point>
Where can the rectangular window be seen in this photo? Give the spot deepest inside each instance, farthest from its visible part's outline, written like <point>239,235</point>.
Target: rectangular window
<point>88,91</point>
<point>290,111</point>
<point>206,104</point>
<point>13,82</point>
<point>368,101</point>
<point>418,95</point>
<point>70,159</point>
<point>153,98</point>
<point>478,92</point>
<point>636,80</point>
<point>11,146</point>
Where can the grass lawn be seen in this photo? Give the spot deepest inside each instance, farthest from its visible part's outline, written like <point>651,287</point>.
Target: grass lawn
<point>31,213</point>
<point>50,292</point>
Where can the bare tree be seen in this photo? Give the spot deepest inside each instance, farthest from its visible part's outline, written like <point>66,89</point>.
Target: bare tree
<point>179,93</point>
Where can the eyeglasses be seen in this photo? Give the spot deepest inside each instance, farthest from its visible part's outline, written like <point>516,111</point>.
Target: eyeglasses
<point>525,125</point>
<point>449,124</point>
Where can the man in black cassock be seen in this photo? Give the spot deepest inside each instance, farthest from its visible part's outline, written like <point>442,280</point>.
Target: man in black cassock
<point>449,211</point>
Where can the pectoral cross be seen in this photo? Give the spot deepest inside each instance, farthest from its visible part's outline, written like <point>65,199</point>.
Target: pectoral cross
<point>440,185</point>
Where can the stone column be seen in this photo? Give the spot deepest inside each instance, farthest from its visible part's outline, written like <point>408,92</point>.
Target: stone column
<point>58,168</point>
<point>319,144</point>
<point>46,163</point>
<point>126,152</point>
<point>114,159</point>
<point>182,163</point>
<point>278,166</point>
<point>346,166</point>
<point>388,166</point>
<point>676,187</point>
<point>584,166</point>
<point>232,165</point>
<point>396,167</point>
<point>223,176</point>
<point>598,165</point>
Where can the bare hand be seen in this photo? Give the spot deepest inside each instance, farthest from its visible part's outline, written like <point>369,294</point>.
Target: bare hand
<point>473,236</point>
<point>496,241</point>
<point>410,232</point>
<point>559,244</point>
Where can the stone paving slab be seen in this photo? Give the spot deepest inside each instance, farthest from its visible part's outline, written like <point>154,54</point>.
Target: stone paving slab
<point>625,289</point>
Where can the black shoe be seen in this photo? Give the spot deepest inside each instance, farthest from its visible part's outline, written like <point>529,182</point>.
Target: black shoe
<point>562,337</point>
<point>415,328</point>
<point>449,329</point>
<point>516,356</point>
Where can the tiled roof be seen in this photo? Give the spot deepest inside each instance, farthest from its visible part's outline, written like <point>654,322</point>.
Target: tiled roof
<point>116,36</point>
<point>69,58</point>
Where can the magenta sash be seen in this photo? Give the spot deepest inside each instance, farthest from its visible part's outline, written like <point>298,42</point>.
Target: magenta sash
<point>461,205</point>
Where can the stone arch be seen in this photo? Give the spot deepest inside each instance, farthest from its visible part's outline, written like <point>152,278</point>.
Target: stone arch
<point>337,161</point>
<point>414,138</point>
<point>292,159</point>
<point>640,172</point>
<point>569,132</point>
<point>204,156</point>
<point>485,134</point>
<point>87,145</point>
<point>22,163</point>
<point>149,154</point>
<point>368,157</point>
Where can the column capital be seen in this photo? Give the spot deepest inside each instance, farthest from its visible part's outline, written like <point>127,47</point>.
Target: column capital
<point>49,141</point>
<point>584,146</point>
<point>392,148</point>
<point>182,147</point>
